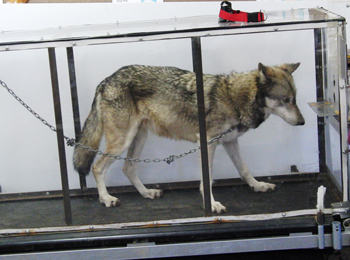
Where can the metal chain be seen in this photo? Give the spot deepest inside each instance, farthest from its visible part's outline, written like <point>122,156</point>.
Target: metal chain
<point>27,107</point>
<point>72,142</point>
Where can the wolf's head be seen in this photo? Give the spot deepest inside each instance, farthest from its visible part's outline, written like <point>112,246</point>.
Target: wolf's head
<point>277,87</point>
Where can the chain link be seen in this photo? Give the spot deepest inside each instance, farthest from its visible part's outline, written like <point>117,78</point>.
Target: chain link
<point>72,142</point>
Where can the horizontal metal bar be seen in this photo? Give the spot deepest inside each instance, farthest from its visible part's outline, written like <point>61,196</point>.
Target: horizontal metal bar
<point>168,35</point>
<point>294,241</point>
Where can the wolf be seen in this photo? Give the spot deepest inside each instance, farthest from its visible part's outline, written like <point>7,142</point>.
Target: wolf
<point>137,99</point>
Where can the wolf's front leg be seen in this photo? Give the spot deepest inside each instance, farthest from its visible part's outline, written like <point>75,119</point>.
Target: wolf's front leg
<point>232,148</point>
<point>215,205</point>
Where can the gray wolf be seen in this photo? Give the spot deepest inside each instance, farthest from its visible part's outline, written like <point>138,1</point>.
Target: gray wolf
<point>137,99</point>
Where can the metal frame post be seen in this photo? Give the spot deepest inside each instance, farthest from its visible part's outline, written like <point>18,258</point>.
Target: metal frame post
<point>60,136</point>
<point>321,80</point>
<point>75,104</point>
<point>197,67</point>
<point>343,108</point>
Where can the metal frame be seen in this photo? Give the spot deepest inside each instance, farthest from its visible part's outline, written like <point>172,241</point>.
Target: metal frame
<point>152,250</point>
<point>343,108</point>
<point>195,37</point>
<point>166,29</point>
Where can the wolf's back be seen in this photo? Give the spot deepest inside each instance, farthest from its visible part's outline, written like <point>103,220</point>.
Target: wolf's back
<point>90,137</point>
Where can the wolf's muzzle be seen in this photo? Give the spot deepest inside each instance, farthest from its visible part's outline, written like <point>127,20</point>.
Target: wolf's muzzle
<point>301,122</point>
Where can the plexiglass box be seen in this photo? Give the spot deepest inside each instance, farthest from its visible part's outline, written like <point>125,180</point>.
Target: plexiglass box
<point>65,65</point>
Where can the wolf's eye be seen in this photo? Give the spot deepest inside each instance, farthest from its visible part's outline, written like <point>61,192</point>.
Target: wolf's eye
<point>286,100</point>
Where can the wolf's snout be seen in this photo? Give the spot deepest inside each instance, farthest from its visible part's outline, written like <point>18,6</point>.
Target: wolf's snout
<point>301,122</point>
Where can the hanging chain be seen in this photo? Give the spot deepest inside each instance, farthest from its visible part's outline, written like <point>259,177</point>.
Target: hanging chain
<point>72,142</point>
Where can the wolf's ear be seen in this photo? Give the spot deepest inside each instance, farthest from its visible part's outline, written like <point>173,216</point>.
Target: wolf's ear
<point>265,72</point>
<point>290,67</point>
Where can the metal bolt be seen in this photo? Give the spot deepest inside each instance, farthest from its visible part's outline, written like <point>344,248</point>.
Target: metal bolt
<point>275,29</point>
<point>284,214</point>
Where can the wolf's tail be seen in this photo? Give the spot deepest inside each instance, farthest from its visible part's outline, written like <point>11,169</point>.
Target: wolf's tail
<point>90,137</point>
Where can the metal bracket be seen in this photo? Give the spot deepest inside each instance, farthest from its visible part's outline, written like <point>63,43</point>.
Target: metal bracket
<point>341,210</point>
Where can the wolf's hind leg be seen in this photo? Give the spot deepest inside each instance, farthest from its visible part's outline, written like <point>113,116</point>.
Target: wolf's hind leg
<point>99,170</point>
<point>215,205</point>
<point>129,167</point>
<point>117,140</point>
<point>232,149</point>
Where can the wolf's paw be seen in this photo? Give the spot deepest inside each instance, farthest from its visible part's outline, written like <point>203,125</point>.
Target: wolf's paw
<point>263,187</point>
<point>110,201</point>
<point>153,194</point>
<point>217,207</point>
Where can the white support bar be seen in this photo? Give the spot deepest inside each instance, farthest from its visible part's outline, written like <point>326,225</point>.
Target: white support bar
<point>203,220</point>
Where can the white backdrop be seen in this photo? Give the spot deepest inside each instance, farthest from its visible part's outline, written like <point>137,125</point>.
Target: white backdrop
<point>28,149</point>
